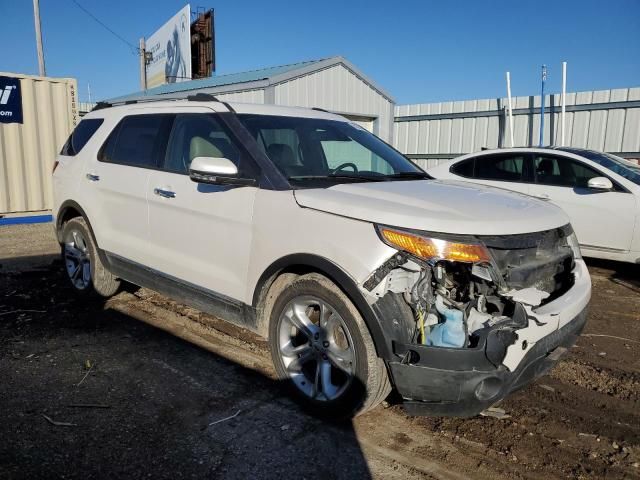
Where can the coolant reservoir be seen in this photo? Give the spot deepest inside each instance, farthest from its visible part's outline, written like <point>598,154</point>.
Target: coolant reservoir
<point>449,333</point>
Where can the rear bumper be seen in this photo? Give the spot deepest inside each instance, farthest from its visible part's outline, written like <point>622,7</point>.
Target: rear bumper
<point>465,393</point>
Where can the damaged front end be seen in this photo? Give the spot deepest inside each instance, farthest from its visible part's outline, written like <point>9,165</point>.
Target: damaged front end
<point>472,318</point>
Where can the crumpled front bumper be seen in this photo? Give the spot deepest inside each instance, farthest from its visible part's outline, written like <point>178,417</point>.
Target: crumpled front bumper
<point>463,382</point>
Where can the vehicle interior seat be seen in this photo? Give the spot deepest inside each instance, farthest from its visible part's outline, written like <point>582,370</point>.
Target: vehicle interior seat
<point>202,147</point>
<point>544,172</point>
<point>282,155</point>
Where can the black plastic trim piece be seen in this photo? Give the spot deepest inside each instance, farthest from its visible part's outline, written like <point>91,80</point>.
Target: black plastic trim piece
<point>202,97</point>
<point>382,271</point>
<point>486,356</point>
<point>465,393</point>
<point>445,358</point>
<point>270,176</point>
<point>342,280</point>
<point>229,107</point>
<point>101,105</point>
<point>213,303</point>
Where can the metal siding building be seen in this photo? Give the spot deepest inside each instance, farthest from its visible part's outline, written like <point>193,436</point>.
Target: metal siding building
<point>607,120</point>
<point>28,150</point>
<point>333,84</point>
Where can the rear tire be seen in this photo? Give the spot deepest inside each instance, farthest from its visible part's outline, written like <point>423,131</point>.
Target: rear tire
<point>85,271</point>
<point>321,347</point>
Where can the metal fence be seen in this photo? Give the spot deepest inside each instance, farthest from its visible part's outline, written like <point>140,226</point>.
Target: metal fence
<point>606,120</point>
<point>28,150</point>
<point>85,107</point>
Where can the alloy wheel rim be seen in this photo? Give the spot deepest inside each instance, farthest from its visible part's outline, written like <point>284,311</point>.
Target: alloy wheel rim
<point>316,348</point>
<point>76,259</point>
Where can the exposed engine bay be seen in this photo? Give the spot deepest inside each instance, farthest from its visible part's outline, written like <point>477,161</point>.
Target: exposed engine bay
<point>486,305</point>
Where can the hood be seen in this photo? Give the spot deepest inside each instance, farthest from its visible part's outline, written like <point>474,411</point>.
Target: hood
<point>436,206</point>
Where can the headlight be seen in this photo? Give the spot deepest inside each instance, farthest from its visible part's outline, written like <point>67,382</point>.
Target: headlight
<point>428,248</point>
<point>572,241</point>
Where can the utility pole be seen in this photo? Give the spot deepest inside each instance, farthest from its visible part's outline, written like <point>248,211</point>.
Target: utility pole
<point>36,19</point>
<point>143,65</point>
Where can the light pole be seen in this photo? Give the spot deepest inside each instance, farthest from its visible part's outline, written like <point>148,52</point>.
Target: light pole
<point>36,19</point>
<point>544,79</point>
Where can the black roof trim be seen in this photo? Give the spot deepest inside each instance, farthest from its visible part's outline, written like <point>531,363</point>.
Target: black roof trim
<point>198,97</point>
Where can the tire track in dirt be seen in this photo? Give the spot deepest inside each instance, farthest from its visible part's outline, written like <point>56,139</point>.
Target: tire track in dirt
<point>621,385</point>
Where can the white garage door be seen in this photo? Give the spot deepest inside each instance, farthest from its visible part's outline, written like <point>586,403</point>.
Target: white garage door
<point>364,122</point>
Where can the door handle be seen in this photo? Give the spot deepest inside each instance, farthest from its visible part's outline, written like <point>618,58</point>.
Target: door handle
<point>164,193</point>
<point>543,196</point>
<point>92,177</point>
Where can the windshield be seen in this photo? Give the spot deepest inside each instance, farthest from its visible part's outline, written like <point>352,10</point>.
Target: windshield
<point>311,151</point>
<point>624,168</point>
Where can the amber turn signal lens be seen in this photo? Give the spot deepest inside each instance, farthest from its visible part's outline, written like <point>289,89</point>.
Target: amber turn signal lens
<point>428,248</point>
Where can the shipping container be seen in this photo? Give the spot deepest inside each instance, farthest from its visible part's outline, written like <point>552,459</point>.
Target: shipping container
<point>28,149</point>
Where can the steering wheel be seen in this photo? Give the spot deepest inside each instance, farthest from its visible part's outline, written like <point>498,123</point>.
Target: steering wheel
<point>345,165</point>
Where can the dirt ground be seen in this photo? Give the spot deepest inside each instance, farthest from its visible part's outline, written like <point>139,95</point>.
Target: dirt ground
<point>87,390</point>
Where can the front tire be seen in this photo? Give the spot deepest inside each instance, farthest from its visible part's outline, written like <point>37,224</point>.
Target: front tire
<point>82,263</point>
<point>322,348</point>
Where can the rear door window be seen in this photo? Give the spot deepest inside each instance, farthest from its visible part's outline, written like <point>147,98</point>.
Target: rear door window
<point>138,141</point>
<point>505,168</point>
<point>80,136</point>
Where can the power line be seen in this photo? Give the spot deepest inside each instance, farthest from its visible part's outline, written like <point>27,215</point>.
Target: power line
<point>135,50</point>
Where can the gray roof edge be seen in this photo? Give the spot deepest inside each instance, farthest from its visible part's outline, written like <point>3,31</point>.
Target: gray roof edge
<point>328,63</point>
<point>230,88</point>
<point>312,67</point>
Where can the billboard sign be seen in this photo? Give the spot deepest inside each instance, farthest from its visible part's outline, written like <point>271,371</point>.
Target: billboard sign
<point>170,48</point>
<point>10,100</point>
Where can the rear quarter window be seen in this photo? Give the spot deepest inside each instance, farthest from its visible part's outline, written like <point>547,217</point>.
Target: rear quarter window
<point>464,168</point>
<point>80,136</point>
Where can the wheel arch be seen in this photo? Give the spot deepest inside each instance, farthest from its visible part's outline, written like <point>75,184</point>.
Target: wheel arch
<point>71,209</point>
<point>302,263</point>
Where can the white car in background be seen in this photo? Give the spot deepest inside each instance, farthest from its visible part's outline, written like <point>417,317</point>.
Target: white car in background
<point>600,192</point>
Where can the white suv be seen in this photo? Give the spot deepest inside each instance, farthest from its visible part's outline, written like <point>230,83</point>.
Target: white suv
<point>362,272</point>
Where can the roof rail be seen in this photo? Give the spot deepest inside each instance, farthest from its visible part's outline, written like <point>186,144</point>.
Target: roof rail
<point>202,97</point>
<point>101,105</point>
<point>198,97</point>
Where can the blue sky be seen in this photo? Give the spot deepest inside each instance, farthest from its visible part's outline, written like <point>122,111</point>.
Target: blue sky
<point>419,51</point>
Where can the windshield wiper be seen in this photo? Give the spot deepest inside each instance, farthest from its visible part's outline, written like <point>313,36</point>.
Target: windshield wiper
<point>337,176</point>
<point>416,175</point>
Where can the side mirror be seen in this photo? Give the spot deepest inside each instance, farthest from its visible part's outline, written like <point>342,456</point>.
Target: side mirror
<point>600,183</point>
<point>216,171</point>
